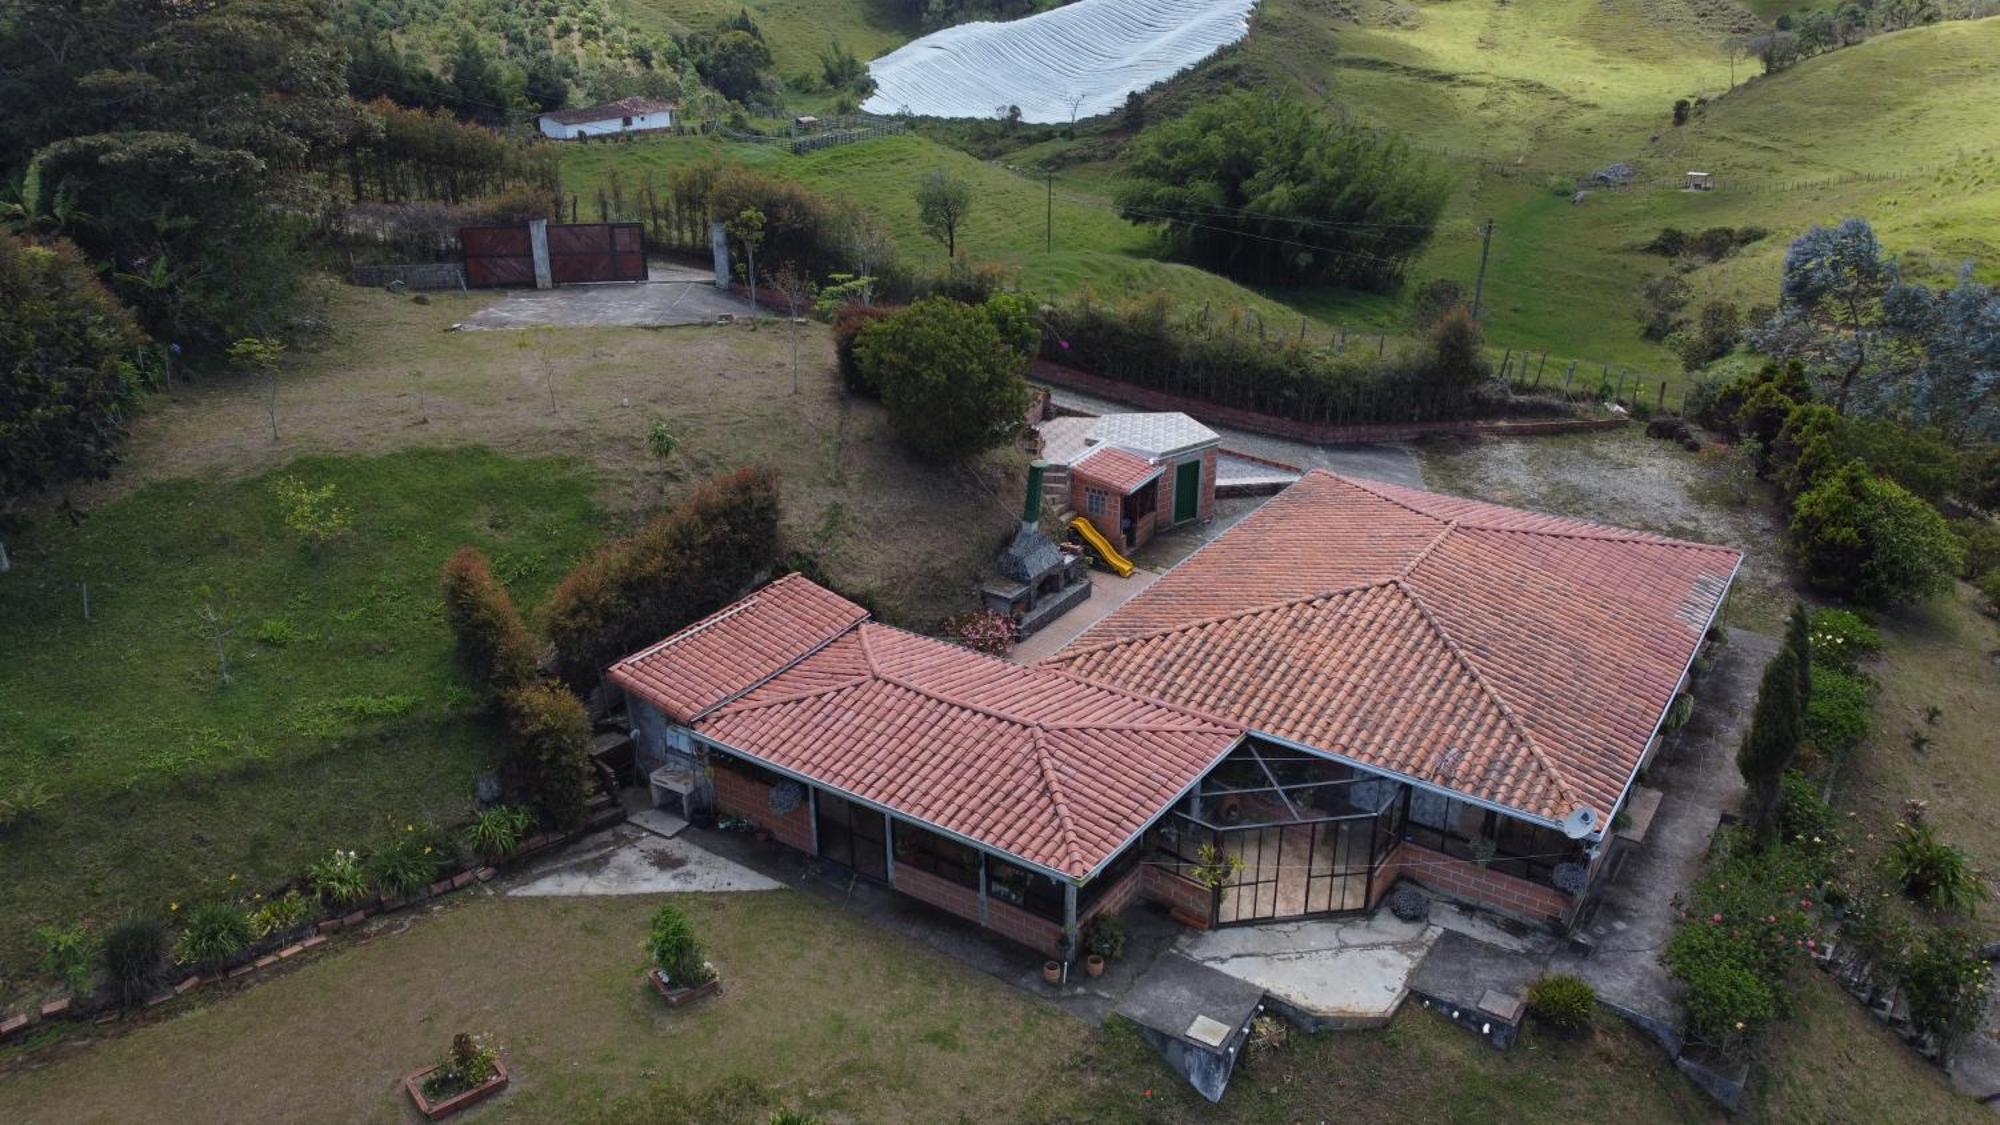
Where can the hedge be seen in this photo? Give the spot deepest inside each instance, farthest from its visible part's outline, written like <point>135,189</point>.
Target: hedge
<point>493,645</point>
<point>551,751</point>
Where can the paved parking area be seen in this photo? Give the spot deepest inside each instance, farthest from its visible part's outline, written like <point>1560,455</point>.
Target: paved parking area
<point>674,295</point>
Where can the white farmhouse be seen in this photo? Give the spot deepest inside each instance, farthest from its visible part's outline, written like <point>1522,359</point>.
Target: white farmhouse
<point>628,115</point>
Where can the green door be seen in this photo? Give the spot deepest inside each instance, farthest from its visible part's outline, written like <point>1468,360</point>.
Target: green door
<point>1187,490</point>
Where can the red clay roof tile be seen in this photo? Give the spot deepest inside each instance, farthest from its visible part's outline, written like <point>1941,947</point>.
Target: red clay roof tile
<point>1115,469</point>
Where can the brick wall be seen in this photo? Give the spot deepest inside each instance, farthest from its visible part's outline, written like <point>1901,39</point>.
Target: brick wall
<point>1106,524</point>
<point>1465,880</point>
<point>1174,892</point>
<point>737,795</point>
<point>1118,897</point>
<point>941,893</point>
<point>1033,931</point>
<point>1208,484</point>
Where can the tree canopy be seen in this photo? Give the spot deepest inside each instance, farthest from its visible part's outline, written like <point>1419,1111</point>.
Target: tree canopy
<point>1267,191</point>
<point>950,379</point>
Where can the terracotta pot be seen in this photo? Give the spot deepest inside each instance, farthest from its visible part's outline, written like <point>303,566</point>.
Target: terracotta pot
<point>1052,971</point>
<point>432,1111</point>
<point>1094,965</point>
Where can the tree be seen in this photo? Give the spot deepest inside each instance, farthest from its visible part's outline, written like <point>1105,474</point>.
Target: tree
<point>733,62</point>
<point>1869,538</point>
<point>747,227</point>
<point>1776,725</point>
<point>1798,637</point>
<point>1830,314</point>
<point>66,383</point>
<point>551,732</point>
<point>798,291</point>
<point>493,645</point>
<point>265,356</point>
<point>951,383</point>
<point>1267,190</point>
<point>943,200</point>
<point>1949,342</point>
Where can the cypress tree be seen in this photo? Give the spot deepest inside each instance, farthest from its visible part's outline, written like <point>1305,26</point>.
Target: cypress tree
<point>1775,727</point>
<point>1798,635</point>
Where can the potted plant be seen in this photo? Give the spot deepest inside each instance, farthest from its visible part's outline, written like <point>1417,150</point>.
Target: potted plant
<point>679,972</point>
<point>469,1073</point>
<point>1103,940</point>
<point>1052,972</point>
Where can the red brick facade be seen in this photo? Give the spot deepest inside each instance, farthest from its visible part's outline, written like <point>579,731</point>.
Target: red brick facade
<point>737,795</point>
<point>1175,893</point>
<point>1469,882</point>
<point>1145,527</point>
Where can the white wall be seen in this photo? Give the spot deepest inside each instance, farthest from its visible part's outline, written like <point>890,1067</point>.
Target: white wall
<point>661,119</point>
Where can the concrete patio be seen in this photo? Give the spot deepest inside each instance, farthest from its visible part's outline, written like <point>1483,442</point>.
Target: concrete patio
<point>673,295</point>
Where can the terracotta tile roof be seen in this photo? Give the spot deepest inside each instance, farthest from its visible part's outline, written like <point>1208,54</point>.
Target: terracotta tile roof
<point>1033,762</point>
<point>1115,469</point>
<point>1518,658</point>
<point>736,648</point>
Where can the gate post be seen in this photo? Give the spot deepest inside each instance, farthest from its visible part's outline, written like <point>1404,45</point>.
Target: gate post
<point>718,242</point>
<point>538,244</point>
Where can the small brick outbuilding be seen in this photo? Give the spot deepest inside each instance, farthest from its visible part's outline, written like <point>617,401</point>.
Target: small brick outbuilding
<point>1134,475</point>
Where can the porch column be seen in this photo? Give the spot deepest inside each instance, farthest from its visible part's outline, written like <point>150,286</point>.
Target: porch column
<point>889,848</point>
<point>982,888</point>
<point>538,245</point>
<point>1069,922</point>
<point>812,815</point>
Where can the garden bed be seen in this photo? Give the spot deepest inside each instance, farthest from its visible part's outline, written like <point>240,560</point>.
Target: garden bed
<point>463,1100</point>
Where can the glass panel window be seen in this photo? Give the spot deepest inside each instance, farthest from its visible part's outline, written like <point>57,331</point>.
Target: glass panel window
<point>940,855</point>
<point>1095,501</point>
<point>1030,890</point>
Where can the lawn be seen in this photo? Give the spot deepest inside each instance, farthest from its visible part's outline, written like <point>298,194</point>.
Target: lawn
<point>876,1027</point>
<point>344,715</point>
<point>797,31</point>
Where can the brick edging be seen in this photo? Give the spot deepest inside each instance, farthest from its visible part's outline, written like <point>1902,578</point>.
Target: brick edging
<point>1312,432</point>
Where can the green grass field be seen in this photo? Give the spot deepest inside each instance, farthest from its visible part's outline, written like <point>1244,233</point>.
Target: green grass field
<point>795,30</point>
<point>343,714</point>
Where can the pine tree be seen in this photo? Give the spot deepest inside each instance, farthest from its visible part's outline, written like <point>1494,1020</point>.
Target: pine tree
<point>1775,729</point>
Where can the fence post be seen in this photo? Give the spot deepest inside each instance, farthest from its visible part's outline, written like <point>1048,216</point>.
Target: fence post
<point>1661,405</point>
<point>1381,345</point>
<point>1506,363</point>
<point>1571,374</point>
<point>1539,366</point>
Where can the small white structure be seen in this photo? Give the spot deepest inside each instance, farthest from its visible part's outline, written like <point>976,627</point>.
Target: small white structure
<point>627,115</point>
<point>1698,181</point>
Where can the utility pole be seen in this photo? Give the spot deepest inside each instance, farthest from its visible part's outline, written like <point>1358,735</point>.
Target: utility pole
<point>1479,286</point>
<point>1049,224</point>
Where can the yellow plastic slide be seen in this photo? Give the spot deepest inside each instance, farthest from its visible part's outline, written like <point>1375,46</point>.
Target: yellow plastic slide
<point>1104,550</point>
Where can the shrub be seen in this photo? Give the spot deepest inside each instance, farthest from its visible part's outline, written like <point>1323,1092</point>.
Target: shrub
<point>1838,716</point>
<point>1979,544</point>
<point>406,866</point>
<point>678,568</point>
<point>1743,925</point>
<point>800,227</point>
<point>1933,873</point>
<point>311,513</point>
<point>339,878</point>
<point>1562,1001</point>
<point>848,324</point>
<point>1945,981</point>
<point>1804,817</point>
<point>493,645</point>
<point>279,915</point>
<point>952,385</point>
<point>1989,588</point>
<point>1716,331</point>
<point>1773,738</point>
<point>497,831</point>
<point>213,933</point>
<point>1870,538</point>
<point>134,956</point>
<point>982,630</point>
<point>675,951</point>
<point>1104,935</point>
<point>24,801</point>
<point>1842,638</point>
<point>1440,295</point>
<point>66,955</point>
<point>468,1063</point>
<point>551,751</point>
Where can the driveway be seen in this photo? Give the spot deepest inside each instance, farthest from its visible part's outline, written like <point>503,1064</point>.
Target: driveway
<point>674,295</point>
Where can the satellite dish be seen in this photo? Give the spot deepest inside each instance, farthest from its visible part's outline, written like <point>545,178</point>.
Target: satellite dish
<point>1581,822</point>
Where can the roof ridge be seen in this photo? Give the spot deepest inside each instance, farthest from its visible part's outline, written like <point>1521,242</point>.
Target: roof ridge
<point>738,705</point>
<point>1045,765</point>
<point>1215,619</point>
<point>1514,721</point>
<point>1608,535</point>
<point>1376,492</point>
<point>1417,559</point>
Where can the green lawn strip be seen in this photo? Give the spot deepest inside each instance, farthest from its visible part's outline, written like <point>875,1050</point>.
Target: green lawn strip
<point>344,714</point>
<point>819,1010</point>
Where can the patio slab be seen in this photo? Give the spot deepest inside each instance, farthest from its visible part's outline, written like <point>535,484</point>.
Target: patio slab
<point>1338,973</point>
<point>629,861</point>
<point>673,295</point>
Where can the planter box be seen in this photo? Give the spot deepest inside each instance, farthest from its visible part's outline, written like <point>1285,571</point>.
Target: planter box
<point>432,1111</point>
<point>675,997</point>
<point>56,1009</point>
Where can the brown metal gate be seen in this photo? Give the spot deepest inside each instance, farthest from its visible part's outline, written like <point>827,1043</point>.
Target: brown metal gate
<point>578,252</point>
<point>596,252</point>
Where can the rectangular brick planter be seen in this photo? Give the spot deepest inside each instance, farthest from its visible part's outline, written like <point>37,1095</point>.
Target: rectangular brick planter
<point>675,997</point>
<point>56,1009</point>
<point>432,1111</point>
<point>12,1026</point>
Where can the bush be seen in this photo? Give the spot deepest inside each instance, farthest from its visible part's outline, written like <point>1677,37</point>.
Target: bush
<point>1989,588</point>
<point>1842,638</point>
<point>279,915</point>
<point>134,955</point>
<point>1104,935</point>
<point>1438,296</point>
<point>800,228</point>
<point>1838,715</point>
<point>493,645</point>
<point>847,326</point>
<point>66,955</point>
<point>339,878</point>
<point>1743,926</point>
<point>1859,535</point>
<point>1564,1002</point>
<point>497,831</point>
<point>1945,980</point>
<point>213,933</point>
<point>981,630</point>
<point>66,382</point>
<point>952,385</point>
<point>406,866</point>
<point>551,751</point>
<point>679,567</point>
<point>1931,872</point>
<point>675,951</point>
<point>1804,817</point>
<point>468,1063</point>
<point>1979,544</point>
<point>1716,331</point>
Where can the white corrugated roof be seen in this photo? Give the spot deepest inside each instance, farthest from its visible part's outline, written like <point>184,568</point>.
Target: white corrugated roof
<point>1068,440</point>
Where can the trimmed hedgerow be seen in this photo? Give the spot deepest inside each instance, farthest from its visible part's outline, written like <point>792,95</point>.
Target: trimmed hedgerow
<point>551,748</point>
<point>678,568</point>
<point>493,644</point>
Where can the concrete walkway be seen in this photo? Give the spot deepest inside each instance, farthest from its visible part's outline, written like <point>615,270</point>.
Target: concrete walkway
<point>1335,973</point>
<point>632,861</point>
<point>673,295</point>
<point>1696,773</point>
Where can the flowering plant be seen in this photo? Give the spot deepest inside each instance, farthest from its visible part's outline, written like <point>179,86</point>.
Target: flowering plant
<point>981,630</point>
<point>339,878</point>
